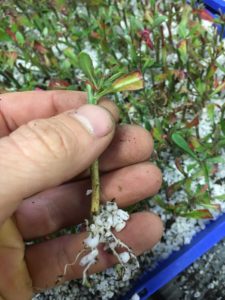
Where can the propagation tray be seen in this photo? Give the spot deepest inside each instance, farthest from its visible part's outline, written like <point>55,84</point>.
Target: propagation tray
<point>151,281</point>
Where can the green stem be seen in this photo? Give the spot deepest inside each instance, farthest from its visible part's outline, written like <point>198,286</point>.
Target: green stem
<point>94,169</point>
<point>206,173</point>
<point>95,182</point>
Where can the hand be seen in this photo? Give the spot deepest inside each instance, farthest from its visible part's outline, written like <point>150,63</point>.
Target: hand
<point>48,140</point>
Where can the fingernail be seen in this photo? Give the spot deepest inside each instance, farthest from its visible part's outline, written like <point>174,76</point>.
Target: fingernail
<point>95,119</point>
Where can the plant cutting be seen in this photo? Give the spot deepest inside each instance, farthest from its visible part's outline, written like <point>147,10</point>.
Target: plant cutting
<point>105,218</point>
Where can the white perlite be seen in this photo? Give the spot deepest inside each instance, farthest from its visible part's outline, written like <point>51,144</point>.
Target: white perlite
<point>135,297</point>
<point>100,229</point>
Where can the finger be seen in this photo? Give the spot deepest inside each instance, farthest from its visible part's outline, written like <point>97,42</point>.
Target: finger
<point>131,144</point>
<point>111,107</point>
<point>21,107</point>
<point>15,282</point>
<point>47,152</point>
<point>46,261</point>
<point>68,204</point>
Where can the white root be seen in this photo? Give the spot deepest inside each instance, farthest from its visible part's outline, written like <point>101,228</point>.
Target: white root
<point>100,232</point>
<point>74,262</point>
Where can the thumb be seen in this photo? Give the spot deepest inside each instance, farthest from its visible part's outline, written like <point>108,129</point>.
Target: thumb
<point>47,152</point>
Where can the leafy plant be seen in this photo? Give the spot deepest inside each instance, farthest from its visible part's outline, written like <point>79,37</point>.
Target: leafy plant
<point>97,87</point>
<point>100,228</point>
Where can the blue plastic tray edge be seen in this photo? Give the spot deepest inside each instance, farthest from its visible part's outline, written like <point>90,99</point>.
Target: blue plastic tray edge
<point>216,5</point>
<point>167,269</point>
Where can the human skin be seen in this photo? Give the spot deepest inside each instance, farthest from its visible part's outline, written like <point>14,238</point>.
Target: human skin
<point>45,151</point>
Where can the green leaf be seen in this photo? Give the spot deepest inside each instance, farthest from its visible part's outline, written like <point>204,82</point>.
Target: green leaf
<point>196,144</point>
<point>222,124</point>
<point>45,31</point>
<point>4,37</point>
<point>159,20</point>
<point>115,76</point>
<point>221,67</point>
<point>69,52</point>
<point>180,142</point>
<point>174,188</point>
<point>218,89</point>
<point>149,63</point>
<point>65,65</point>
<point>182,49</point>
<point>94,2</point>
<point>200,86</point>
<point>158,200</point>
<point>216,159</point>
<point>183,30</point>
<point>157,134</point>
<point>86,65</point>
<point>191,167</point>
<point>198,214</point>
<point>220,197</point>
<point>23,20</point>
<point>20,38</point>
<point>211,111</point>
<point>131,82</point>
<point>152,2</point>
<point>215,206</point>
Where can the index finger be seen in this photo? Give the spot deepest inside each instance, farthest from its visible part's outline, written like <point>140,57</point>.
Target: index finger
<point>17,108</point>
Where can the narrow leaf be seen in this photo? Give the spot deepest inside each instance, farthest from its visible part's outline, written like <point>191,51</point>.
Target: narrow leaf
<point>195,144</point>
<point>198,214</point>
<point>131,82</point>
<point>179,166</point>
<point>4,37</point>
<point>200,86</point>
<point>221,67</point>
<point>218,89</point>
<point>182,49</point>
<point>211,111</point>
<point>216,207</point>
<point>220,197</point>
<point>180,142</point>
<point>158,200</point>
<point>159,20</point>
<point>20,38</point>
<point>216,159</point>
<point>173,188</point>
<point>115,76</point>
<point>183,29</point>
<point>86,65</point>
<point>69,52</point>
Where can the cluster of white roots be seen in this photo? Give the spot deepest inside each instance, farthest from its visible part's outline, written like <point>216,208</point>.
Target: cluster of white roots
<point>100,229</point>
